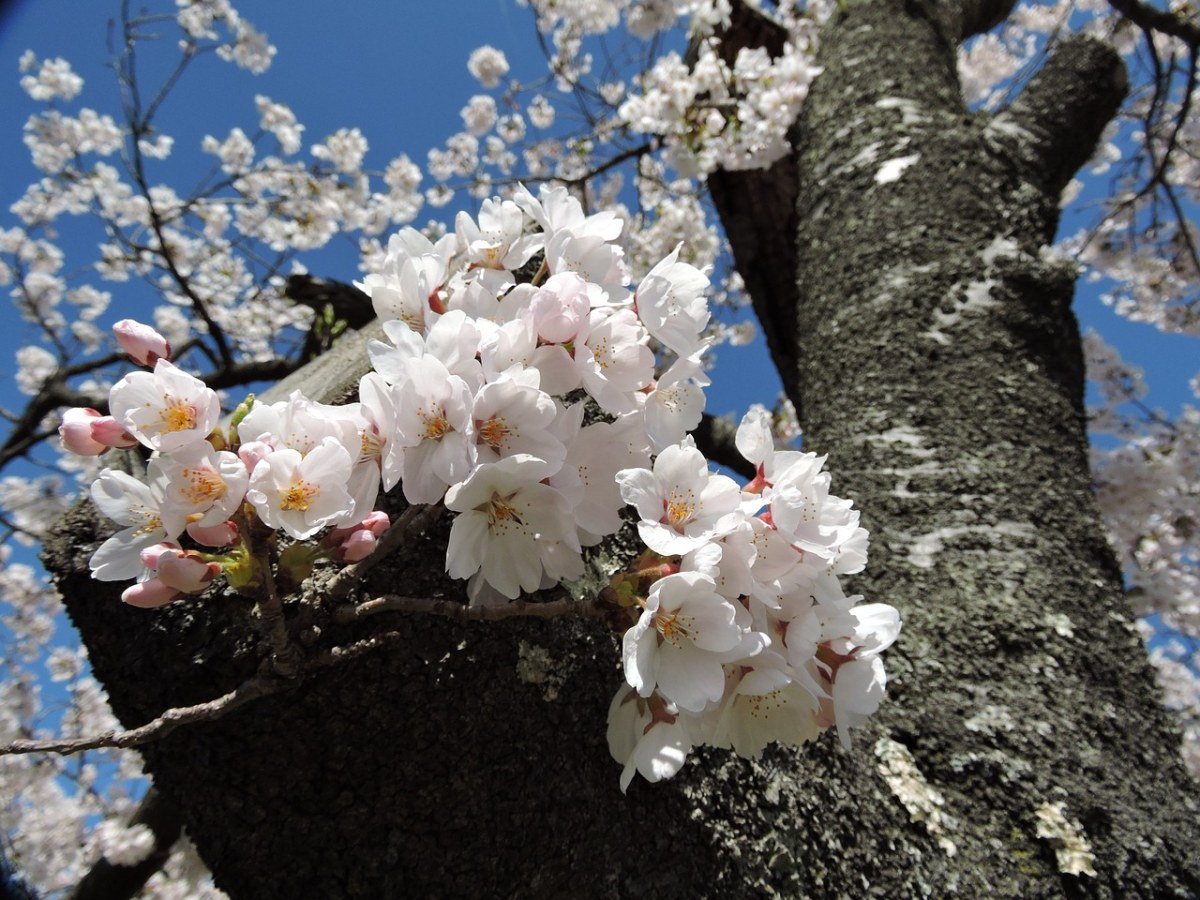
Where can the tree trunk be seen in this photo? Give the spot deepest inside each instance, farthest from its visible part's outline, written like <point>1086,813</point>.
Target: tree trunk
<point>940,368</point>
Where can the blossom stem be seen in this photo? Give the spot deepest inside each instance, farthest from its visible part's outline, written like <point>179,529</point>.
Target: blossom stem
<point>269,619</point>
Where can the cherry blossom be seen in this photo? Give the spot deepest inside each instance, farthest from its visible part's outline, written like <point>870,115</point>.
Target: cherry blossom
<point>132,503</point>
<point>301,494</point>
<point>201,487</point>
<point>683,638</point>
<point>681,503</point>
<point>670,302</point>
<point>647,736</point>
<point>166,409</point>
<point>506,517</point>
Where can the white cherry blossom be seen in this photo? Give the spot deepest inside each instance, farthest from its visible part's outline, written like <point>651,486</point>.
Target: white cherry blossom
<point>684,636</point>
<point>682,505</point>
<point>301,494</point>
<point>167,409</point>
<point>506,516</point>
<point>132,503</point>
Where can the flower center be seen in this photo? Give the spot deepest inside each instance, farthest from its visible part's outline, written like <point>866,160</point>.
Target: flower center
<point>150,522</point>
<point>436,424</point>
<point>299,495</point>
<point>371,443</point>
<point>492,254</point>
<point>500,512</point>
<point>674,628</point>
<point>495,433</point>
<point>177,416</point>
<point>679,507</point>
<point>203,486</point>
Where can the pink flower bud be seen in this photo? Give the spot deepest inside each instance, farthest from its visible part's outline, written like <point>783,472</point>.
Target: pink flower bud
<point>151,555</point>
<point>144,345</point>
<point>76,432</point>
<point>111,433</point>
<point>560,308</point>
<point>377,523</point>
<point>358,541</point>
<point>254,452</point>
<point>149,594</point>
<point>357,546</point>
<point>220,535</point>
<point>185,571</point>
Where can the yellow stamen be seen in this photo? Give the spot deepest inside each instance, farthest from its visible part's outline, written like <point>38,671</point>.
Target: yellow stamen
<point>150,522</point>
<point>299,495</point>
<point>203,486</point>
<point>495,433</point>
<point>501,512</point>
<point>674,628</point>
<point>177,416</point>
<point>679,508</point>
<point>436,424</point>
<point>371,443</point>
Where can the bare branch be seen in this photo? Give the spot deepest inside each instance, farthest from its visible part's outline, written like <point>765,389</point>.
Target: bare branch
<point>461,612</point>
<point>260,685</point>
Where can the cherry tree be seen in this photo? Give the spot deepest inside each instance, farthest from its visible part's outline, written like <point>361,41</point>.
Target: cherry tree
<point>455,602</point>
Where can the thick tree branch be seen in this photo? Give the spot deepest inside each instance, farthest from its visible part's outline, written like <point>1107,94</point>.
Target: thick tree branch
<point>979,16</point>
<point>1063,110</point>
<point>715,439</point>
<point>347,302</point>
<point>1164,21</point>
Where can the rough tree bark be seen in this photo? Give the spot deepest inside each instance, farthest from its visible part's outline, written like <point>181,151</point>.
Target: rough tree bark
<point>939,365</point>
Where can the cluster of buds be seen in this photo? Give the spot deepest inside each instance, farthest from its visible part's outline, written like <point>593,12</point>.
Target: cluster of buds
<point>535,408</point>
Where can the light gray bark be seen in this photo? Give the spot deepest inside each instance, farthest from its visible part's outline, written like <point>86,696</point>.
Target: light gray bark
<point>939,365</point>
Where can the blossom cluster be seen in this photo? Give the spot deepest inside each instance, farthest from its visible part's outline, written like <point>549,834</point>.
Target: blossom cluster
<point>713,115</point>
<point>533,409</point>
<point>747,637</point>
<point>477,397</point>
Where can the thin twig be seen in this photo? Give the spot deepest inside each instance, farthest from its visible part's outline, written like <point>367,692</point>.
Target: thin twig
<point>260,685</point>
<point>268,682</point>
<point>461,612</point>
